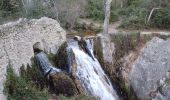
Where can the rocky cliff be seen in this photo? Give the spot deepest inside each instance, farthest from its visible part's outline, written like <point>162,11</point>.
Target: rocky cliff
<point>17,39</point>
<point>150,76</point>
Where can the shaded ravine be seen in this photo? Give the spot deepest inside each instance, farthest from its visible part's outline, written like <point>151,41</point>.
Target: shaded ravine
<point>91,74</point>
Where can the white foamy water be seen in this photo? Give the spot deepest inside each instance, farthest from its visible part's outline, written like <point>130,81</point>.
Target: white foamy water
<point>91,74</point>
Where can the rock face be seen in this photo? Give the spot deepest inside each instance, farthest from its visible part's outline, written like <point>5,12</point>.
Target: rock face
<point>108,48</point>
<point>17,39</point>
<point>149,76</point>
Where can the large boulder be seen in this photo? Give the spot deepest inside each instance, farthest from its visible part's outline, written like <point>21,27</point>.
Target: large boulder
<point>149,76</point>
<point>17,39</point>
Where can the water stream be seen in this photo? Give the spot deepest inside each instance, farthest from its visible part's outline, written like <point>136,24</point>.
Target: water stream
<point>91,74</point>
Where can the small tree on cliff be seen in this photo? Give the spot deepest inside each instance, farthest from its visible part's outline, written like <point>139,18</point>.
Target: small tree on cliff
<point>107,5</point>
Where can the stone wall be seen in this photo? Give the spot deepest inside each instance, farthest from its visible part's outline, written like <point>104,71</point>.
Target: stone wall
<point>17,39</point>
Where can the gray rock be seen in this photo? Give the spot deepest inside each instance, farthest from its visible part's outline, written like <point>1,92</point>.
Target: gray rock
<point>108,48</point>
<point>151,67</point>
<point>17,40</point>
<point>38,46</point>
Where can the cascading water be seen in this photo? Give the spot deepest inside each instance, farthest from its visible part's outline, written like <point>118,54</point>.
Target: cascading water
<point>27,3</point>
<point>91,74</point>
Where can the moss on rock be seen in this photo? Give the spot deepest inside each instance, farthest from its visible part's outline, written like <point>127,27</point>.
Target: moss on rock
<point>98,51</point>
<point>61,57</point>
<point>63,84</point>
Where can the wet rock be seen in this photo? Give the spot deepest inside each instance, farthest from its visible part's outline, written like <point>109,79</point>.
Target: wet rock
<point>65,60</point>
<point>148,76</point>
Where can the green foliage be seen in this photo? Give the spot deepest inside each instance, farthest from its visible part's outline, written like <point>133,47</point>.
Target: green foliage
<point>63,84</point>
<point>135,14</point>
<point>125,43</point>
<point>62,97</point>
<point>78,97</point>
<point>133,18</point>
<point>95,9</point>
<point>114,16</point>
<point>52,58</point>
<point>84,97</point>
<point>7,5</point>
<point>9,10</point>
<point>33,75</point>
<point>19,88</point>
<point>161,18</point>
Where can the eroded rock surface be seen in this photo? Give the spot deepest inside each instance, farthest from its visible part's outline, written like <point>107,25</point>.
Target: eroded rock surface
<point>108,48</point>
<point>17,39</point>
<point>148,76</point>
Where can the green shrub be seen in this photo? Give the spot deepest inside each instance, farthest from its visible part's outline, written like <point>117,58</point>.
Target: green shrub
<point>32,74</point>
<point>161,18</point>
<point>133,18</point>
<point>18,88</point>
<point>64,85</point>
<point>114,16</point>
<point>78,97</point>
<point>95,9</point>
<point>8,5</point>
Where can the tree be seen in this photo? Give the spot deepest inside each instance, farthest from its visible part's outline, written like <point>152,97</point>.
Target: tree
<point>107,5</point>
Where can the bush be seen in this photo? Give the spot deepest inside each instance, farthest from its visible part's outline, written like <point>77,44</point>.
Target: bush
<point>9,10</point>
<point>114,16</point>
<point>33,75</point>
<point>8,5</point>
<point>64,85</point>
<point>78,97</point>
<point>134,15</point>
<point>18,88</point>
<point>133,18</point>
<point>95,9</point>
<point>161,18</point>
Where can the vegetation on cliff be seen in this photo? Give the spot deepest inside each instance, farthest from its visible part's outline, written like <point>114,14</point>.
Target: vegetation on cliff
<point>32,85</point>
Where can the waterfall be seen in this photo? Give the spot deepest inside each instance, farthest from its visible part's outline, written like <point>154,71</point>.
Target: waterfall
<point>91,74</point>
<point>27,5</point>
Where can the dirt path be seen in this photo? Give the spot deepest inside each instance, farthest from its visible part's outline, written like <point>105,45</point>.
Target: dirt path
<point>113,29</point>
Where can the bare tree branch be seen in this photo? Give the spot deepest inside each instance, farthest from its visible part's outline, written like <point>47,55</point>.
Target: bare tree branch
<point>151,12</point>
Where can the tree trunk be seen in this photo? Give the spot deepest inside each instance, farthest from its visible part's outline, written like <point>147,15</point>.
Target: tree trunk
<point>107,4</point>
<point>151,12</point>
